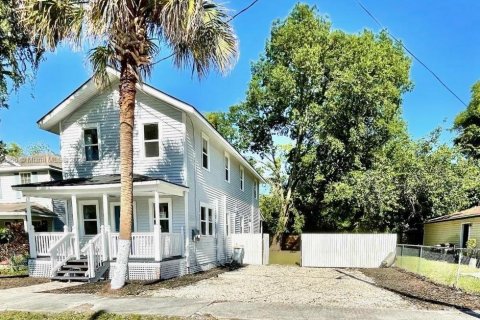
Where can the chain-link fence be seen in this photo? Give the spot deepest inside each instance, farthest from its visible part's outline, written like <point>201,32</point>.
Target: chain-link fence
<point>443,265</point>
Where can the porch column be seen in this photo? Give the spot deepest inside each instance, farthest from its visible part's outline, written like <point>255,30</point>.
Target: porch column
<point>157,232</point>
<point>106,222</point>
<point>186,251</point>
<point>76,227</point>
<point>31,230</point>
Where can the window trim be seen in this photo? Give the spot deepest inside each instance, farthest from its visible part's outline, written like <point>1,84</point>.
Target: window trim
<point>151,203</point>
<point>142,138</point>
<point>207,206</point>
<point>255,188</point>
<point>461,232</point>
<point>229,167</point>
<point>206,138</point>
<point>26,172</point>
<point>112,216</point>
<point>89,127</point>
<point>242,178</point>
<point>81,203</point>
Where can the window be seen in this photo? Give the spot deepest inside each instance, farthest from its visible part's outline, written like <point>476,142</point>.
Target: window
<point>255,189</point>
<point>89,217</point>
<point>227,167</point>
<point>25,177</point>
<point>151,140</point>
<point>165,215</point>
<point>40,226</point>
<point>206,220</point>
<point>90,139</point>
<point>242,178</point>
<point>115,216</point>
<point>205,152</point>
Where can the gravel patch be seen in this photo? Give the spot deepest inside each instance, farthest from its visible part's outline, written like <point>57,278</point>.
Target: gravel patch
<point>292,285</point>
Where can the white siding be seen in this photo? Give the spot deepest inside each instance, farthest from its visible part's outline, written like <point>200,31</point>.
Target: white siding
<point>209,186</point>
<point>102,112</point>
<point>10,195</point>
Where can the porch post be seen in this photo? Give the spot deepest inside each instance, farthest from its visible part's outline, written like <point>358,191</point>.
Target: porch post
<point>157,236</point>
<point>186,251</point>
<point>106,222</point>
<point>75,228</point>
<point>31,230</point>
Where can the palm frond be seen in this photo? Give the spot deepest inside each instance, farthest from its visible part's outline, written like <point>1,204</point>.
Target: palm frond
<point>201,38</point>
<point>52,21</point>
<point>100,58</point>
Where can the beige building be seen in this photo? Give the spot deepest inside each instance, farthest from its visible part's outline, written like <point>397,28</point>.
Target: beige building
<point>455,228</point>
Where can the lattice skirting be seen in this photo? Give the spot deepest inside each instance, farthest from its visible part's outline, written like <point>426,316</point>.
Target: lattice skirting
<point>39,268</point>
<point>139,270</point>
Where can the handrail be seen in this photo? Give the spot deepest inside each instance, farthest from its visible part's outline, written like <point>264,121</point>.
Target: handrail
<point>95,250</point>
<point>61,252</point>
<point>44,241</point>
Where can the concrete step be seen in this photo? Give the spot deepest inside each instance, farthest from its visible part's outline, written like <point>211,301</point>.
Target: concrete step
<point>71,278</point>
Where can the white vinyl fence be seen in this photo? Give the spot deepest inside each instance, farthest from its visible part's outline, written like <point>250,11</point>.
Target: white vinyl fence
<point>255,246</point>
<point>346,250</point>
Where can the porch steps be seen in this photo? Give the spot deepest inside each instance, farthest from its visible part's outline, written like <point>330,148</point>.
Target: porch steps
<point>73,270</point>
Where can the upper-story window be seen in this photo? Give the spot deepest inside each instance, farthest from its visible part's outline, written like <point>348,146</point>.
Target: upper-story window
<point>151,141</point>
<point>255,189</point>
<point>90,139</point>
<point>205,152</point>
<point>227,167</point>
<point>242,179</point>
<point>25,177</point>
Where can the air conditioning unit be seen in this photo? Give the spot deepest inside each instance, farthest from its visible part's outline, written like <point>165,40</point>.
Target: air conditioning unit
<point>195,235</point>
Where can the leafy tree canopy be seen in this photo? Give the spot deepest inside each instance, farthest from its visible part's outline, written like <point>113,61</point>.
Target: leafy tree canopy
<point>467,124</point>
<point>17,55</point>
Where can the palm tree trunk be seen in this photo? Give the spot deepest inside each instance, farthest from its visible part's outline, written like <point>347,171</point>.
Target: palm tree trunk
<point>127,108</point>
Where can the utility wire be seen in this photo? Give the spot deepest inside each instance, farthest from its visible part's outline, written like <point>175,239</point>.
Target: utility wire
<point>412,54</point>
<point>233,17</point>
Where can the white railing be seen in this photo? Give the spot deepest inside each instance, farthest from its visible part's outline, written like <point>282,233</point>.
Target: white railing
<point>172,244</point>
<point>143,245</point>
<point>61,251</point>
<point>96,252</point>
<point>45,240</point>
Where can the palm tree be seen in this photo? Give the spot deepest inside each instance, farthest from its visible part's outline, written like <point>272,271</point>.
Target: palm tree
<point>127,35</point>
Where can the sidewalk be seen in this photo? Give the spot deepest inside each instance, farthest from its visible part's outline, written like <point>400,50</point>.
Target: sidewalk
<point>29,299</point>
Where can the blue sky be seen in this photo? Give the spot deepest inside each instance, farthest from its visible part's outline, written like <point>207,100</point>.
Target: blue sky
<point>444,34</point>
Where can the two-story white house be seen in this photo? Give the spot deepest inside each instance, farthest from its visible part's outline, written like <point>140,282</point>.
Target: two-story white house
<point>192,189</point>
<point>46,214</point>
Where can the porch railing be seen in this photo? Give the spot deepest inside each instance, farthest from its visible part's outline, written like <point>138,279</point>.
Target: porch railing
<point>143,245</point>
<point>61,251</point>
<point>96,252</point>
<point>45,240</point>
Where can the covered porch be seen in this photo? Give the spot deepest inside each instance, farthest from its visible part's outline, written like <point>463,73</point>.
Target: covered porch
<point>92,222</point>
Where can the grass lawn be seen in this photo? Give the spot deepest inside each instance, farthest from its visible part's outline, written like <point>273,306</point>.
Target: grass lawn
<point>441,272</point>
<point>20,315</point>
<point>285,257</point>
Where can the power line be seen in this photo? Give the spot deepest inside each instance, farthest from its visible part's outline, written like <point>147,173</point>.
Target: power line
<point>412,54</point>
<point>233,17</point>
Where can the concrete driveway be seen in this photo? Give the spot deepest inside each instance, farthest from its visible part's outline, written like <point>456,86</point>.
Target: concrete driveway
<point>271,292</point>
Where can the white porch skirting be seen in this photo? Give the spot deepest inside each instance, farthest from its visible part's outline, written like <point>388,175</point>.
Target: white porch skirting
<point>153,270</point>
<point>38,268</point>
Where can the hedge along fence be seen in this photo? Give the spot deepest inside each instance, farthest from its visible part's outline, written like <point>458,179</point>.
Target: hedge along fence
<point>346,250</point>
<point>448,266</point>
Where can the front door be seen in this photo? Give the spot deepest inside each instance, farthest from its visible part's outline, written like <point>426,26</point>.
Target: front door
<point>89,215</point>
<point>115,211</point>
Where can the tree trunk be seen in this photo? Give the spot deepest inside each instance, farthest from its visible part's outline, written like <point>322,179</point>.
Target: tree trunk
<point>127,88</point>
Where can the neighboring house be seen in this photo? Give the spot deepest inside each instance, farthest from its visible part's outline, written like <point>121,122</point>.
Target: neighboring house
<point>46,213</point>
<point>455,228</point>
<point>192,189</point>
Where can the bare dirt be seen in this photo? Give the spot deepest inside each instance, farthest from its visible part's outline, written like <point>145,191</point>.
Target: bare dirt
<point>420,291</point>
<point>7,282</point>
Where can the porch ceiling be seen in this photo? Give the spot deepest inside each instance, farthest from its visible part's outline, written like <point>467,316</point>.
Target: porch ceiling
<point>95,186</point>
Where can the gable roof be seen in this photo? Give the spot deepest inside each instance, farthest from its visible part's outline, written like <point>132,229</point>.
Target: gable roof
<point>51,121</point>
<point>469,213</point>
